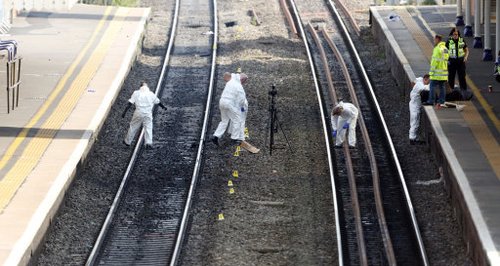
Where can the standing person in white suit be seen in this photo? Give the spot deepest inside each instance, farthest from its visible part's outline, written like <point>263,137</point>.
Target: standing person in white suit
<point>231,104</point>
<point>244,109</point>
<point>415,105</point>
<point>242,118</point>
<point>344,118</point>
<point>144,101</point>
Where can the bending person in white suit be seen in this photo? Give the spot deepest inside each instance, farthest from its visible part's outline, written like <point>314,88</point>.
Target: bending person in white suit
<point>344,118</point>
<point>144,101</point>
<point>415,105</point>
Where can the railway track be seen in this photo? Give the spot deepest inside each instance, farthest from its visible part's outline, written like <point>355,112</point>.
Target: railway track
<point>281,211</point>
<point>146,221</point>
<point>378,223</point>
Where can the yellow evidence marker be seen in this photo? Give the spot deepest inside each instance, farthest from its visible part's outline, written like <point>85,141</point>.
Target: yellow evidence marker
<point>229,183</point>
<point>235,173</point>
<point>221,216</point>
<point>237,152</point>
<point>231,191</point>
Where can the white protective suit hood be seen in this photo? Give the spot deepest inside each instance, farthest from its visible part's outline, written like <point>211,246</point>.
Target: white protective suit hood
<point>144,100</point>
<point>236,77</point>
<point>339,105</point>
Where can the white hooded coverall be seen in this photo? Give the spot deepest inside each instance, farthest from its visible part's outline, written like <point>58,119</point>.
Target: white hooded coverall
<point>144,101</point>
<point>349,115</point>
<point>415,106</point>
<point>233,98</point>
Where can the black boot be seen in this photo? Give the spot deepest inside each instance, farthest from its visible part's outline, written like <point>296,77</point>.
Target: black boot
<point>236,142</point>
<point>416,142</point>
<point>215,140</point>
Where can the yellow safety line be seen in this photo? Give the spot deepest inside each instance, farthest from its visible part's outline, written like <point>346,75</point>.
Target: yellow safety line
<point>479,97</point>
<point>482,101</point>
<point>37,146</point>
<point>424,44</point>
<point>488,143</point>
<point>479,129</point>
<point>418,35</point>
<point>53,95</point>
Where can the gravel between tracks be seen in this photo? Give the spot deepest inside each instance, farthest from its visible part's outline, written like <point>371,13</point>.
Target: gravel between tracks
<point>280,211</point>
<point>439,226</point>
<point>232,241</point>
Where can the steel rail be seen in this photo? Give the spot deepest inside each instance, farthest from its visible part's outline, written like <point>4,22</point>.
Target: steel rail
<point>388,137</point>
<point>194,179</point>
<point>351,19</point>
<point>114,206</point>
<point>386,238</point>
<point>325,132</point>
<point>324,60</point>
<point>363,257</point>
<point>289,18</point>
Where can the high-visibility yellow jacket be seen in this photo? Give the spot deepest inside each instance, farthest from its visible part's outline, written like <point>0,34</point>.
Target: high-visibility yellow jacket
<point>452,48</point>
<point>439,62</point>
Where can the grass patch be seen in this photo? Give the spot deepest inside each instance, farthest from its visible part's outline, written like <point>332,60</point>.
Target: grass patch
<point>126,3</point>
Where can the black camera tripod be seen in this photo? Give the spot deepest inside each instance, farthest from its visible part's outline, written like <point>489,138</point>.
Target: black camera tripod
<point>274,122</point>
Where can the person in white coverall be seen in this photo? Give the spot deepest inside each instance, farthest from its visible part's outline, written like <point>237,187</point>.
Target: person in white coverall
<point>244,110</point>
<point>415,105</point>
<point>232,104</point>
<point>144,101</point>
<point>344,118</point>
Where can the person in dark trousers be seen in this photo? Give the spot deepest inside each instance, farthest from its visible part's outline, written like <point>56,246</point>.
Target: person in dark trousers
<point>457,49</point>
<point>438,71</point>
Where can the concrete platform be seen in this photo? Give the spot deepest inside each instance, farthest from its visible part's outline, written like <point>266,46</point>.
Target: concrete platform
<point>73,66</point>
<point>465,143</point>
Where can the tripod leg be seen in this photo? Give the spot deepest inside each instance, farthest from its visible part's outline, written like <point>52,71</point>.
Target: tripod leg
<point>286,138</point>
<point>271,139</point>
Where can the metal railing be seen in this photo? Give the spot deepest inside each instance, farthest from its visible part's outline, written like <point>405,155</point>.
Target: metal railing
<point>13,73</point>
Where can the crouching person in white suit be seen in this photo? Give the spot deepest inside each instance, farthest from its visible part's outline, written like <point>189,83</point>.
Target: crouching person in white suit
<point>344,118</point>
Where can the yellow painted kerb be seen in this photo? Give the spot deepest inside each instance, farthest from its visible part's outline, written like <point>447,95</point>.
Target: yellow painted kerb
<point>53,95</point>
<point>37,146</point>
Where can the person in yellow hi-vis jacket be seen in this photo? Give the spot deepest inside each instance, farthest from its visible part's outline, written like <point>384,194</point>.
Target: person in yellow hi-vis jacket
<point>438,71</point>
